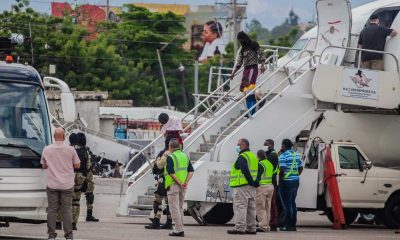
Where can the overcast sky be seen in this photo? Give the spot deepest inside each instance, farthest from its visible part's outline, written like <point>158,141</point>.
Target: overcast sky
<point>269,12</point>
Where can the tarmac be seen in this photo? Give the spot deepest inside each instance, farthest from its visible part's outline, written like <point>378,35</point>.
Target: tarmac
<point>311,225</point>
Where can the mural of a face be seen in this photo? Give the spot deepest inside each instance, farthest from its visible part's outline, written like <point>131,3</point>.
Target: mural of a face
<point>208,35</point>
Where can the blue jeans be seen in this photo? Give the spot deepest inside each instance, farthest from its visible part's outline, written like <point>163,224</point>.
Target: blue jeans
<point>250,103</point>
<point>288,193</point>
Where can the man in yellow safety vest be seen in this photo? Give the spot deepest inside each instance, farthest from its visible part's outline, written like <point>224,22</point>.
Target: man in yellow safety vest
<point>178,172</point>
<point>265,192</point>
<point>243,181</point>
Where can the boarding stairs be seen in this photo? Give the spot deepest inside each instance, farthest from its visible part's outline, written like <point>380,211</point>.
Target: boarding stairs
<point>202,142</point>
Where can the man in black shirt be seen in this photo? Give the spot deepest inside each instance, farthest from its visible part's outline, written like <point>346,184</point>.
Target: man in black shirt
<point>272,156</point>
<point>373,37</point>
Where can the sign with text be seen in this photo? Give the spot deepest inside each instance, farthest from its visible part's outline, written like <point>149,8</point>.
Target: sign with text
<point>218,189</point>
<point>360,83</point>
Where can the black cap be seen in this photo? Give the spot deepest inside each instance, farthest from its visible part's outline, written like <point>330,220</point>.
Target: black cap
<point>73,139</point>
<point>163,118</point>
<point>287,143</point>
<point>373,17</point>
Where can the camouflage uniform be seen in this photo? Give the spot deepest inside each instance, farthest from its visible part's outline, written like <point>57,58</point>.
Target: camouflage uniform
<point>160,194</point>
<point>81,184</point>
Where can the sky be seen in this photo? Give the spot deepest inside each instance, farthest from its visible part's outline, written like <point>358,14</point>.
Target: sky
<point>269,12</point>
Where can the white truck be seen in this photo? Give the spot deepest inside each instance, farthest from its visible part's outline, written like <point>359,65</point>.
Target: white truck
<point>363,187</point>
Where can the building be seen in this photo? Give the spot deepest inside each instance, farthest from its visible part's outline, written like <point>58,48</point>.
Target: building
<point>195,17</point>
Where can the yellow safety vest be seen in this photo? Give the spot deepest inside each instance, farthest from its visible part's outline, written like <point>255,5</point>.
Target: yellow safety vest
<point>294,170</point>
<point>266,177</point>
<point>181,163</point>
<point>237,177</point>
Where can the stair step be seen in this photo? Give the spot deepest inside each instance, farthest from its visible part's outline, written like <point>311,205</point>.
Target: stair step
<point>239,122</point>
<point>206,147</point>
<point>145,200</point>
<point>194,156</point>
<point>151,190</point>
<point>228,131</point>
<point>213,138</point>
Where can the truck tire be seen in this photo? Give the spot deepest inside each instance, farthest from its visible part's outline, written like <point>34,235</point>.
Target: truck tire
<point>391,213</point>
<point>366,218</point>
<point>349,216</point>
<point>221,213</point>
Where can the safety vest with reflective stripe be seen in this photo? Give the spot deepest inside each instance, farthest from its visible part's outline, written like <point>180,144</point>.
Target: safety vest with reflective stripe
<point>266,177</point>
<point>181,163</point>
<point>294,169</point>
<point>237,177</point>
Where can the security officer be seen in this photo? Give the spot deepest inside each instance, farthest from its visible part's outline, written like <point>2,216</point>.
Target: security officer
<point>83,182</point>
<point>289,180</point>
<point>160,194</point>
<point>90,186</point>
<point>276,206</point>
<point>178,172</point>
<point>243,181</point>
<point>265,192</point>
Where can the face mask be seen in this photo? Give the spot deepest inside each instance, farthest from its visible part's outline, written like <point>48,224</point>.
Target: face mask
<point>237,149</point>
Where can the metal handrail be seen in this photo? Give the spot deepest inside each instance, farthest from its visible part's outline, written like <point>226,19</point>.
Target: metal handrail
<point>261,100</point>
<point>359,55</point>
<point>252,91</point>
<point>193,121</point>
<point>106,136</point>
<point>219,73</point>
<point>59,123</point>
<point>187,127</point>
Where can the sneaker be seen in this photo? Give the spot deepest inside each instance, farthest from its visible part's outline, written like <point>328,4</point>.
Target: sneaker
<point>235,232</point>
<point>155,224</point>
<point>177,234</point>
<point>288,229</point>
<point>74,226</point>
<point>251,232</point>
<point>260,230</point>
<point>273,229</point>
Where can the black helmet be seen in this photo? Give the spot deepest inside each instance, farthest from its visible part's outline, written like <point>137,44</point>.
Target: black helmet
<point>73,139</point>
<point>81,139</point>
<point>163,118</point>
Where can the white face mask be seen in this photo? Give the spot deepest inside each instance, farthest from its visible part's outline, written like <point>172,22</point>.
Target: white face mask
<point>237,149</point>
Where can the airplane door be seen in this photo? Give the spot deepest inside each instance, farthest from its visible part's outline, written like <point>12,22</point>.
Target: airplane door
<point>392,44</point>
<point>334,28</point>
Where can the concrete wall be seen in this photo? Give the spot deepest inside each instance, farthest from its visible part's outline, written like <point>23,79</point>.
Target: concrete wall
<point>107,126</point>
<point>87,106</point>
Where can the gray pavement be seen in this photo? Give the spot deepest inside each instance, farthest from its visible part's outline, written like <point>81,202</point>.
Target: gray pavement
<point>311,225</point>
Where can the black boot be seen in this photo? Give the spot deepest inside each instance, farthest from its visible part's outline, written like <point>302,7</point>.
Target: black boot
<point>155,224</point>
<point>58,226</point>
<point>74,226</point>
<point>90,218</point>
<point>167,225</point>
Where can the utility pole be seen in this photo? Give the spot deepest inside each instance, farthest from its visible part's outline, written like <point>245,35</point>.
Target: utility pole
<point>183,85</point>
<point>108,9</point>
<point>30,36</point>
<point>234,19</point>
<point>196,86</point>
<point>163,78</point>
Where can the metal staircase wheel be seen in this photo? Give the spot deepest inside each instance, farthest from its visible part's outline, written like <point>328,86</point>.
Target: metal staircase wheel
<point>221,213</point>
